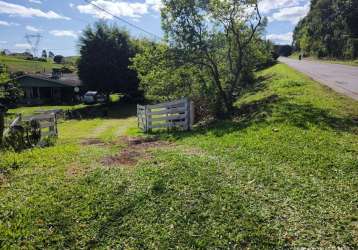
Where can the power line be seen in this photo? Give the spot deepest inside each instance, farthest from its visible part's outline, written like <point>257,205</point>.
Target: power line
<point>49,49</point>
<point>33,41</point>
<point>123,20</point>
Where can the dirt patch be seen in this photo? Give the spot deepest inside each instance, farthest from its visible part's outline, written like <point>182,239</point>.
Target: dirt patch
<point>126,157</point>
<point>75,170</point>
<point>132,141</point>
<point>137,148</point>
<point>93,142</point>
<point>3,180</point>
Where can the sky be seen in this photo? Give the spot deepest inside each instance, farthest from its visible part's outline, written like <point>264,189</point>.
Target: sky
<point>60,22</point>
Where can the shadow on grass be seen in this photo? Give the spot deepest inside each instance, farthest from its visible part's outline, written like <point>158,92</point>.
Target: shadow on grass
<point>305,115</point>
<point>118,110</point>
<point>260,84</point>
<point>274,110</point>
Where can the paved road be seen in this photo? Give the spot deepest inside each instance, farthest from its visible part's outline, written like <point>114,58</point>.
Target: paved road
<point>341,78</point>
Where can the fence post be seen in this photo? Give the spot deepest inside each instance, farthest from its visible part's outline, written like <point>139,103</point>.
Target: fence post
<point>51,127</point>
<point>186,107</point>
<point>55,124</point>
<point>2,123</point>
<point>146,119</point>
<point>149,117</point>
<point>191,111</point>
<point>138,115</point>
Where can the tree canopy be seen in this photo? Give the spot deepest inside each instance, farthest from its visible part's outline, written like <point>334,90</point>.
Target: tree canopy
<point>59,59</point>
<point>105,59</point>
<point>329,30</point>
<point>44,54</point>
<point>212,49</point>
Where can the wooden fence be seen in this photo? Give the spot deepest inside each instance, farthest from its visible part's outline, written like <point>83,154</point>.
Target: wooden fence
<point>176,114</point>
<point>59,113</point>
<point>47,121</point>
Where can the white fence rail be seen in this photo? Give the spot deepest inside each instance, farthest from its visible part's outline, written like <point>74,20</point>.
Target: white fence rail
<point>176,114</point>
<point>47,121</point>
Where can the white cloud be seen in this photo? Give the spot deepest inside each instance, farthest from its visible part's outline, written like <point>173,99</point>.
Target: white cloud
<point>120,8</point>
<point>3,42</point>
<point>285,38</point>
<point>4,23</point>
<point>154,4</point>
<point>23,46</point>
<point>63,33</point>
<point>267,6</point>
<point>134,10</point>
<point>32,28</point>
<point>35,1</point>
<point>72,5</point>
<point>292,14</point>
<point>19,10</point>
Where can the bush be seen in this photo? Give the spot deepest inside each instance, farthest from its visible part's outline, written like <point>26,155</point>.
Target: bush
<point>38,59</point>
<point>66,70</point>
<point>12,95</point>
<point>165,77</point>
<point>59,59</point>
<point>26,135</point>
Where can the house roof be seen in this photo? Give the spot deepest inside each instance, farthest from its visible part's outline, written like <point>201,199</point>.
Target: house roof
<point>46,80</point>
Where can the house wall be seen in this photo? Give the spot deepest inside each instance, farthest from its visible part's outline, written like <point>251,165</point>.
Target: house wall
<point>38,91</point>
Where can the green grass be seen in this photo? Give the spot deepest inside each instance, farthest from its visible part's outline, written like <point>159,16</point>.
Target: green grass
<point>328,60</point>
<point>282,174</point>
<point>114,98</point>
<point>72,60</point>
<point>18,64</point>
<point>31,110</point>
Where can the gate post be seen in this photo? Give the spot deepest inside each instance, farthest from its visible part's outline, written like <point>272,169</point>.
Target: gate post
<point>187,114</point>
<point>191,111</point>
<point>149,118</point>
<point>146,119</point>
<point>2,122</point>
<point>53,127</point>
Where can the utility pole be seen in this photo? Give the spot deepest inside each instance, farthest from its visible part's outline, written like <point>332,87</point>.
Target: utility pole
<point>33,41</point>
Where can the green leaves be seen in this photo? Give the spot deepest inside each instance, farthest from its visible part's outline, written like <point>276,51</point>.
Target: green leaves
<point>211,56</point>
<point>105,58</point>
<point>329,30</point>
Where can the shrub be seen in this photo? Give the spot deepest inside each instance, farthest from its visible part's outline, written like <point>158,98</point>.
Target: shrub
<point>66,70</point>
<point>59,59</point>
<point>26,135</point>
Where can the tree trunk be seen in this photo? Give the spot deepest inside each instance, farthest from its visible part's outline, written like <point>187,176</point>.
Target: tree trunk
<point>223,96</point>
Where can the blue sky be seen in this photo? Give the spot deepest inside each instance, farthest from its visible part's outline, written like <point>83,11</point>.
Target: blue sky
<point>60,21</point>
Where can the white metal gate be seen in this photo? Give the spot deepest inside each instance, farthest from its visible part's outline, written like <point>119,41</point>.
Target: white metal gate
<point>176,114</point>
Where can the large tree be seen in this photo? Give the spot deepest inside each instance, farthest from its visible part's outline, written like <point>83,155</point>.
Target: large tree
<point>329,30</point>
<point>44,54</point>
<point>219,37</point>
<point>105,59</point>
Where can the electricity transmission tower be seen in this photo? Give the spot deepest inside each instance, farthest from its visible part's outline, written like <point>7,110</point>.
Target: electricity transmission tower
<point>33,41</point>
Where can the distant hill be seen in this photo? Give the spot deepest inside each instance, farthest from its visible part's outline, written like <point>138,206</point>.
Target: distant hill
<point>329,30</point>
<point>72,59</point>
<point>15,64</point>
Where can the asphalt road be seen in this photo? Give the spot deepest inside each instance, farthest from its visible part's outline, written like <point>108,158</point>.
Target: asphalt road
<point>341,78</point>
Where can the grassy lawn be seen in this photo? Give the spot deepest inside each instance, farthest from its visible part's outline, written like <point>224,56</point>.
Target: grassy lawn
<point>31,110</point>
<point>18,64</point>
<point>28,110</point>
<point>282,174</point>
<point>327,60</point>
